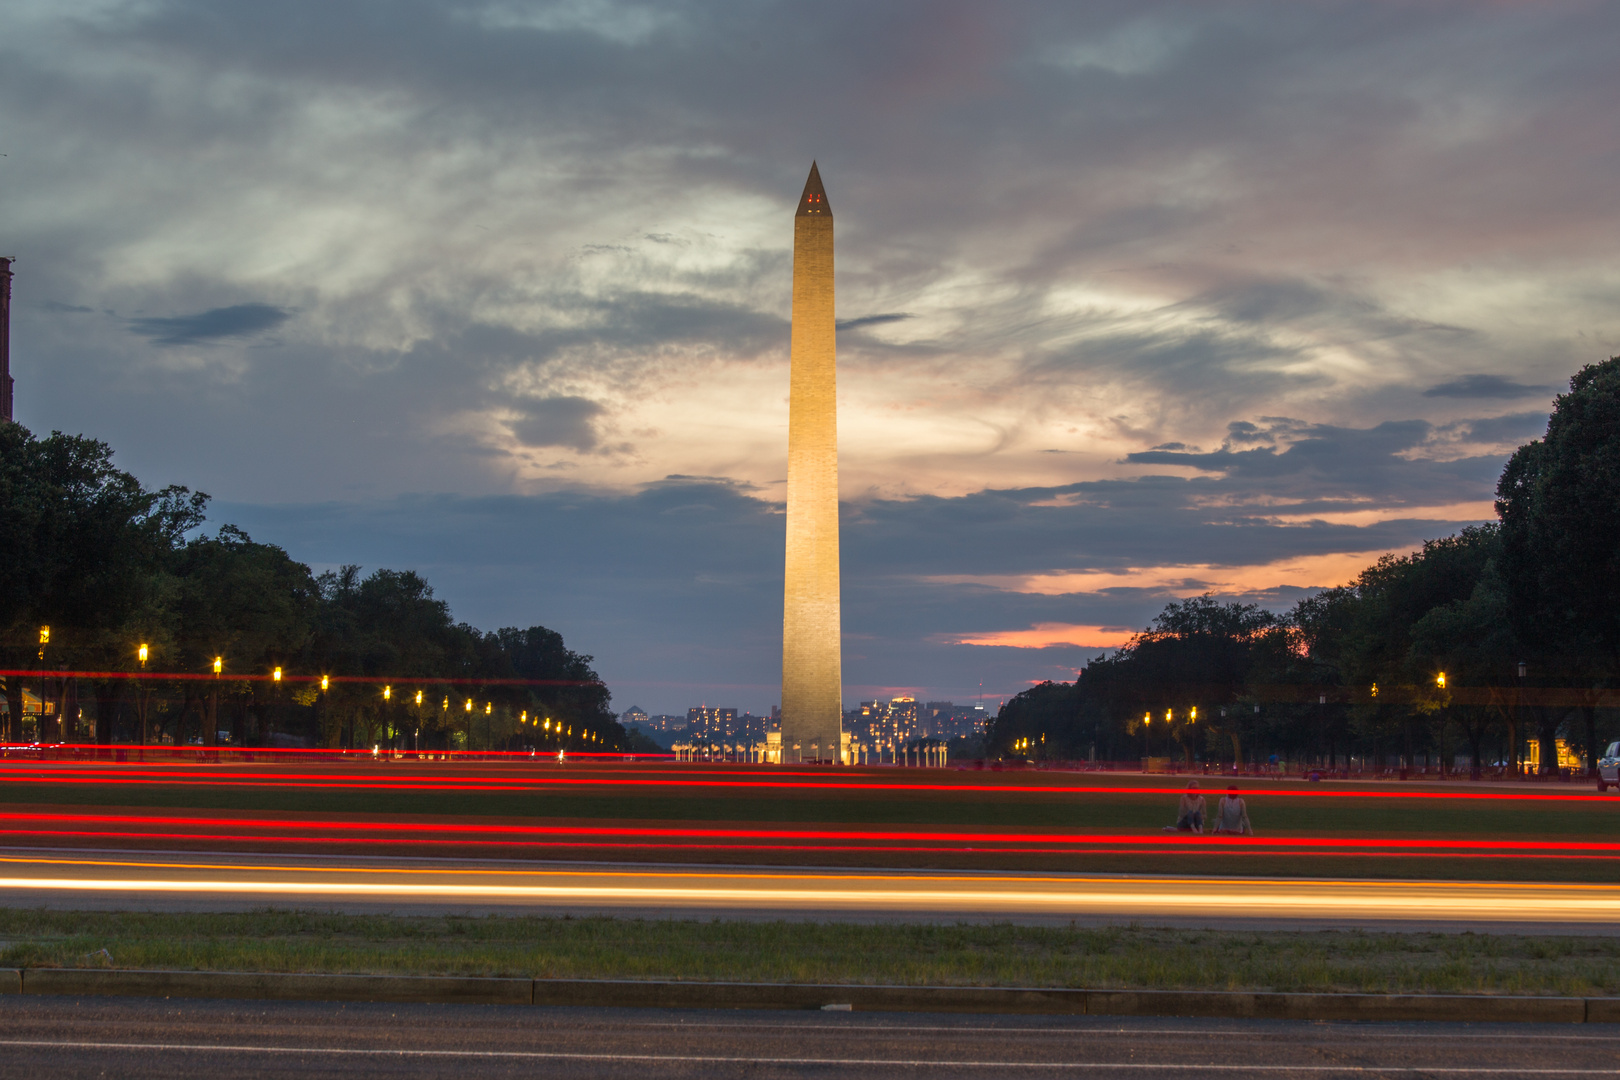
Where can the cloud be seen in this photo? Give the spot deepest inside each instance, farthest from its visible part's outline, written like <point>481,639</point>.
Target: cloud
<point>1507,431</point>
<point>676,587</point>
<point>66,309</point>
<point>238,320</point>
<point>558,421</point>
<point>1325,461</point>
<point>1156,289</point>
<point>871,320</point>
<point>1485,386</point>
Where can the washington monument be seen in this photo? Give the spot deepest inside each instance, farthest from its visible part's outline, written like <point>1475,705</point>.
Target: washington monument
<point>812,666</point>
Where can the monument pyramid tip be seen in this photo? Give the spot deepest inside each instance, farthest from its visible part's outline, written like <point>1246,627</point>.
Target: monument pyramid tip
<point>814,200</point>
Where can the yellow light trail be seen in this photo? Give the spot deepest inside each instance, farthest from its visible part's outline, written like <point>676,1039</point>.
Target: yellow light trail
<point>1046,895</point>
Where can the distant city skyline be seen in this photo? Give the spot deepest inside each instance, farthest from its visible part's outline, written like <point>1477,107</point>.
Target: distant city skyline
<point>1134,301</point>
<point>895,721</point>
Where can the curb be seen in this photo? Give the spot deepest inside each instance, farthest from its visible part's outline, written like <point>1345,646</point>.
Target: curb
<point>648,994</point>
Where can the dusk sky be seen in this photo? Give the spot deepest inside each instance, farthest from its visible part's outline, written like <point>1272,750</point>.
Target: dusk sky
<point>1137,300</point>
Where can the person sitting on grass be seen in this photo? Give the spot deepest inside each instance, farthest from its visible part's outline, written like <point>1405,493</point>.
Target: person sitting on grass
<point>1190,814</point>
<point>1232,815</point>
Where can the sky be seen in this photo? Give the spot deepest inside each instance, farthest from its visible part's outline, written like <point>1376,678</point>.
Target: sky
<point>1137,300</point>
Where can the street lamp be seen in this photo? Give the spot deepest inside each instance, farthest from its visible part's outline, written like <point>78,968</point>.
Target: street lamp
<point>44,640</point>
<point>275,706</point>
<point>1440,681</point>
<point>219,665</point>
<point>1518,698</point>
<point>140,692</point>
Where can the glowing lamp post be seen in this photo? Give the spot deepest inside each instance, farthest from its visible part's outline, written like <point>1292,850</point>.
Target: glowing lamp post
<point>44,640</point>
<point>219,666</point>
<point>1440,681</point>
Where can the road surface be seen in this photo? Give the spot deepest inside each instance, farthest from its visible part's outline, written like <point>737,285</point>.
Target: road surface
<point>31,877</point>
<point>140,1037</point>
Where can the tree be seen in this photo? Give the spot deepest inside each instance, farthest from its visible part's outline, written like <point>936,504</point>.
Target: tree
<point>562,680</point>
<point>1361,635</point>
<point>1473,642</point>
<point>1047,710</point>
<point>251,605</point>
<point>83,547</point>
<point>1559,501</point>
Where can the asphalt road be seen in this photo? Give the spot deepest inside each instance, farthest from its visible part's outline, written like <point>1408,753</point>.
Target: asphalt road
<point>219,881</point>
<point>142,1037</point>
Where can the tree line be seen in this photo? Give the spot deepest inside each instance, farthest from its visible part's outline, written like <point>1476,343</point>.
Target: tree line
<point>1495,643</point>
<point>99,573</point>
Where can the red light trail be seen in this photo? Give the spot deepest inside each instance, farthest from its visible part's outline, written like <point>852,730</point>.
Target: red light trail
<point>305,775</point>
<point>475,835</point>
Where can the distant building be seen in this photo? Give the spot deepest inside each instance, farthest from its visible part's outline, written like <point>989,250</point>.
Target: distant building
<point>754,728</point>
<point>634,716</point>
<point>714,724</point>
<point>885,722</point>
<point>947,720</point>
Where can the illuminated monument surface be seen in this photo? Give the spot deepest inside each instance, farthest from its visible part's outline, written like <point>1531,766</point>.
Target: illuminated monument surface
<point>812,666</point>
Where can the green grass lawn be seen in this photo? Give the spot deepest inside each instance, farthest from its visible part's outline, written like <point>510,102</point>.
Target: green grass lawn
<point>748,951</point>
<point>963,802</point>
<point>971,799</point>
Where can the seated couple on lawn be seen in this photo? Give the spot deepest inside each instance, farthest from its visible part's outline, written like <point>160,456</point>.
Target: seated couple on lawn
<point>1231,813</point>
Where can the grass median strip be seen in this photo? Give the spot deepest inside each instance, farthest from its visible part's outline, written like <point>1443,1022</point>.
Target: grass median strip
<point>757,951</point>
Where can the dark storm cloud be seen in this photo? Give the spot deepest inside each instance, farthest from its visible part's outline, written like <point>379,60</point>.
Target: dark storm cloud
<point>1325,461</point>
<point>238,320</point>
<point>871,320</point>
<point>1511,430</point>
<point>558,421</point>
<point>1485,386</point>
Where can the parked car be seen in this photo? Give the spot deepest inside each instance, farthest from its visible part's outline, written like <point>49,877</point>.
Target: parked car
<point>1609,768</point>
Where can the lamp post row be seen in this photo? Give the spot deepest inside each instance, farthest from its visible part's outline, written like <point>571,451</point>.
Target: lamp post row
<point>143,652</point>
